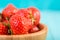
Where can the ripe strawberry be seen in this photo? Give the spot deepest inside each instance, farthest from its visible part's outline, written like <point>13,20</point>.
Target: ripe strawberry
<point>19,24</point>
<point>9,11</point>
<point>31,13</point>
<point>35,15</point>
<point>34,29</point>
<point>3,29</point>
<point>25,13</point>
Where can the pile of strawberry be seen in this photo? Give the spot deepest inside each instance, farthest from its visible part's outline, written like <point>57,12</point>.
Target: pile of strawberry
<point>15,21</point>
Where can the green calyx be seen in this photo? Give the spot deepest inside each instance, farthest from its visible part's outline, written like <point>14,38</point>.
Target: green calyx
<point>8,26</point>
<point>32,18</point>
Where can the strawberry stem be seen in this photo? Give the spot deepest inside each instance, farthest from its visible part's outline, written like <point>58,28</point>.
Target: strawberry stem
<point>9,30</point>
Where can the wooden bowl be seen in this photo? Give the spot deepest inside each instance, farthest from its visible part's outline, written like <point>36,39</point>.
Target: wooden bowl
<point>40,35</point>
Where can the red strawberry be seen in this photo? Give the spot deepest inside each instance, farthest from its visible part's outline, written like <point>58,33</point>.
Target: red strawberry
<point>34,29</point>
<point>9,11</point>
<point>35,15</point>
<point>31,13</point>
<point>19,24</point>
<point>3,29</point>
<point>25,13</point>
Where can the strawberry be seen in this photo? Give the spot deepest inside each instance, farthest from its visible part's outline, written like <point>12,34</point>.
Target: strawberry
<point>31,13</point>
<point>35,15</point>
<point>9,11</point>
<point>34,29</point>
<point>3,29</point>
<point>25,13</point>
<point>19,24</point>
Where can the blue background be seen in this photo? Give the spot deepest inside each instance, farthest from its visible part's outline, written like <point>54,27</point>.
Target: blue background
<point>50,13</point>
<point>40,4</point>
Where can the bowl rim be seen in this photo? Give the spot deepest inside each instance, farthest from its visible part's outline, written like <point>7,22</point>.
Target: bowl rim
<point>42,31</point>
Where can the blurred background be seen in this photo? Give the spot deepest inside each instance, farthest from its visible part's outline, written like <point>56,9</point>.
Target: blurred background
<point>50,13</point>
